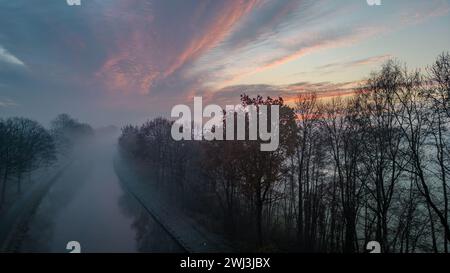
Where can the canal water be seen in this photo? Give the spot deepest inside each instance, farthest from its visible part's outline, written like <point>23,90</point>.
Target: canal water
<point>88,205</point>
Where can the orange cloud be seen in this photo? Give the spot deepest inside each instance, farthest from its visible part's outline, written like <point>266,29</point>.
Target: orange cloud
<point>214,33</point>
<point>308,47</point>
<point>289,93</point>
<point>148,55</point>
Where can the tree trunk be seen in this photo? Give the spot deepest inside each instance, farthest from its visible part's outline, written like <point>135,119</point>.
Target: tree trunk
<point>350,231</point>
<point>259,222</point>
<point>433,230</point>
<point>19,183</point>
<point>300,223</point>
<point>3,196</point>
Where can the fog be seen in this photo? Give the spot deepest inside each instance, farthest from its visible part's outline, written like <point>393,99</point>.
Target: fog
<point>88,204</point>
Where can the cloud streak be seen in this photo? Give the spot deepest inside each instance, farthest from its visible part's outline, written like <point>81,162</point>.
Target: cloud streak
<point>4,102</point>
<point>356,63</point>
<point>7,57</point>
<point>323,90</point>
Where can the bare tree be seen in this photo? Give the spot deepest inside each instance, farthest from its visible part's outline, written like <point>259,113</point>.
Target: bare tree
<point>25,146</point>
<point>438,95</point>
<point>382,142</point>
<point>344,142</point>
<point>413,116</point>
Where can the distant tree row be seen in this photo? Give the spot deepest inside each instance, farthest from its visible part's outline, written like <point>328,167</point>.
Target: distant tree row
<point>25,146</point>
<point>375,166</point>
<point>67,132</point>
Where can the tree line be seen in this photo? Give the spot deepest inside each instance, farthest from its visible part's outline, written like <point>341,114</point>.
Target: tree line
<point>374,166</point>
<point>26,145</point>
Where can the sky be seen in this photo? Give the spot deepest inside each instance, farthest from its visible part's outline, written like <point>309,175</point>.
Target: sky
<point>124,61</point>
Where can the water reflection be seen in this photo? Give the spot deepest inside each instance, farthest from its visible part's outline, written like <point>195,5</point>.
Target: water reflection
<point>150,236</point>
<point>40,229</point>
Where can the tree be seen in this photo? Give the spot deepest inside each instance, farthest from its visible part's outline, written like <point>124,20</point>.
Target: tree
<point>306,113</point>
<point>413,117</point>
<point>262,170</point>
<point>344,140</point>
<point>67,132</point>
<point>382,142</point>
<point>34,147</point>
<point>25,146</point>
<point>438,96</point>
